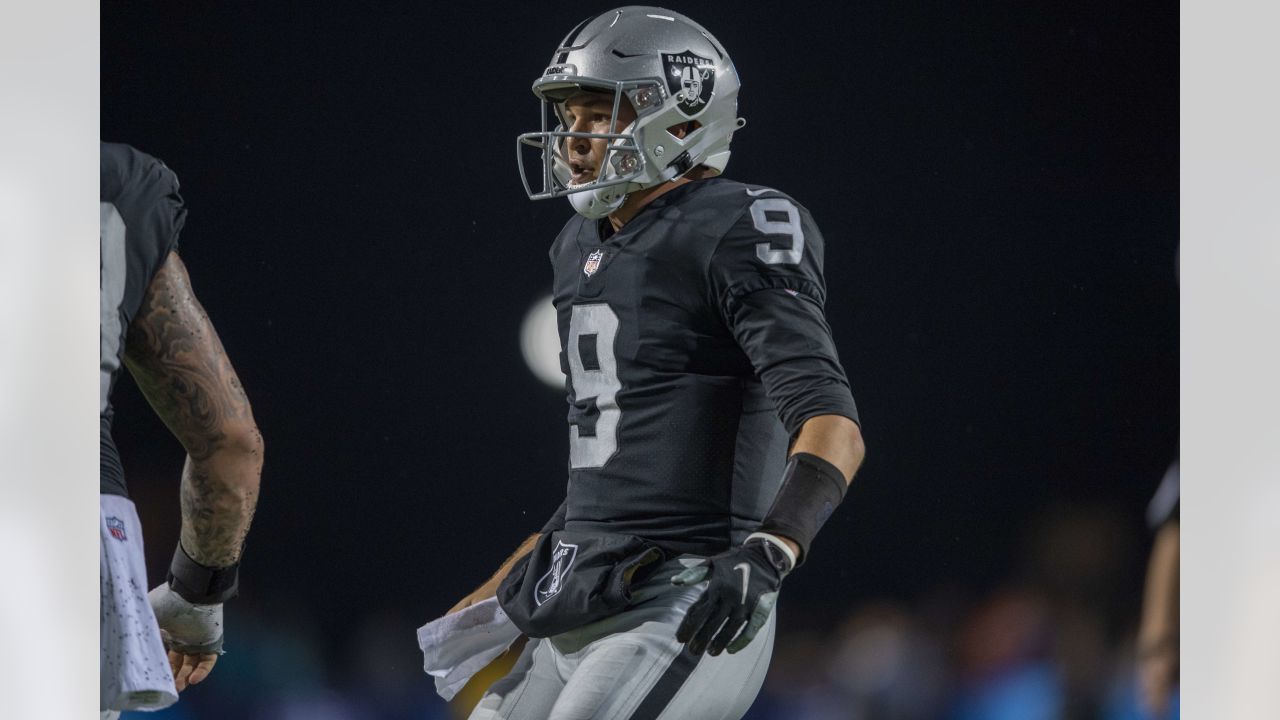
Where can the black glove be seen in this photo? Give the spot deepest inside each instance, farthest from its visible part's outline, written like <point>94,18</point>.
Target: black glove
<point>742,589</point>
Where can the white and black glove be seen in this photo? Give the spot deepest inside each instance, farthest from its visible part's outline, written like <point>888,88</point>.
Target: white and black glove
<point>742,587</point>
<point>186,627</point>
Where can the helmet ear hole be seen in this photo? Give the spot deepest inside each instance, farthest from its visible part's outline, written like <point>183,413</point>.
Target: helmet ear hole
<point>683,130</point>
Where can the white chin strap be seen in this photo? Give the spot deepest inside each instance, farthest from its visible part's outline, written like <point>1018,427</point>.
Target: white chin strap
<point>595,204</point>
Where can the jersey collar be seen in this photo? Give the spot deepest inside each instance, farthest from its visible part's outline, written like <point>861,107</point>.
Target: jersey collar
<point>599,232</point>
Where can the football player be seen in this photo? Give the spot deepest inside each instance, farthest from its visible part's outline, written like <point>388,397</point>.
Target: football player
<point>152,322</point>
<point>712,430</point>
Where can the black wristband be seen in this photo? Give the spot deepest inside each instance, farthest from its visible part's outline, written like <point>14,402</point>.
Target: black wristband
<point>199,584</point>
<point>811,490</point>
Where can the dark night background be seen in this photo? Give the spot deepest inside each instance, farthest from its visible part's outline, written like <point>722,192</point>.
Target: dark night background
<point>998,188</point>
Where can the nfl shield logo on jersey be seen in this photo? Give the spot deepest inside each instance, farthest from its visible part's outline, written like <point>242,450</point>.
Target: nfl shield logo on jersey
<point>691,79</point>
<point>115,526</point>
<point>561,561</point>
<point>592,264</point>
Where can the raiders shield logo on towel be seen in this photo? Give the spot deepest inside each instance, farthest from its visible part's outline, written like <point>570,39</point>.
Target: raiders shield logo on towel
<point>691,79</point>
<point>561,561</point>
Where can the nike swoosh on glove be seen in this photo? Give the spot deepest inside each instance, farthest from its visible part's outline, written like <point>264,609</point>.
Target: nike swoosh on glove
<point>186,627</point>
<point>742,587</point>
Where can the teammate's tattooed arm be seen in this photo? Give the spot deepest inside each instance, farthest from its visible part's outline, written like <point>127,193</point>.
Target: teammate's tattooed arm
<point>175,356</point>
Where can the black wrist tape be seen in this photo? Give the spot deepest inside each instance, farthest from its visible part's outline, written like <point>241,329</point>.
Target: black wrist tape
<point>811,490</point>
<point>201,585</point>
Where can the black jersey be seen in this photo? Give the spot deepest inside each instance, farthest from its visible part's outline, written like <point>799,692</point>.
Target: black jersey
<point>695,346</point>
<point>142,215</point>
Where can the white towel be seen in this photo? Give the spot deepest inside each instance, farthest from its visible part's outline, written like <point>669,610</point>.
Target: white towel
<point>460,644</point>
<point>134,668</point>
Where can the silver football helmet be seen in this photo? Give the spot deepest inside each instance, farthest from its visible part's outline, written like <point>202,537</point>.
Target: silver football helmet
<point>671,70</point>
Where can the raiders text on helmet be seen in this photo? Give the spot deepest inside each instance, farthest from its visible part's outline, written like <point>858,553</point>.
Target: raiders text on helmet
<point>671,70</point>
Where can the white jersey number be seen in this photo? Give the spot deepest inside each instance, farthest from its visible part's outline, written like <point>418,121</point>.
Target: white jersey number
<point>600,383</point>
<point>790,226</point>
<point>111,288</point>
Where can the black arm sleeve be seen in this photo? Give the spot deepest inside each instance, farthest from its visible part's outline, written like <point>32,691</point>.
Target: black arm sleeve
<point>771,299</point>
<point>790,346</point>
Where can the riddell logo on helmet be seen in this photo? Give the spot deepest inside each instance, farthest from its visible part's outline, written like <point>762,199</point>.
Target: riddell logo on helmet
<point>691,78</point>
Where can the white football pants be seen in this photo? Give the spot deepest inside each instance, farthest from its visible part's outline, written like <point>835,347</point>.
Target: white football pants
<point>133,667</point>
<point>630,667</point>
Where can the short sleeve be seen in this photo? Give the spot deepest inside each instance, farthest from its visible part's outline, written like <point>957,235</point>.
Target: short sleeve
<point>165,212</point>
<point>146,194</point>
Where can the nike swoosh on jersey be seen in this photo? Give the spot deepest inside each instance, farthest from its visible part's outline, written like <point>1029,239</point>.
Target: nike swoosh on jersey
<point>761,191</point>
<point>746,576</point>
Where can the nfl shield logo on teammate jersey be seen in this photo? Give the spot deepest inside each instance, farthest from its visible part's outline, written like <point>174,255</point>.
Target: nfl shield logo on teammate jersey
<point>592,264</point>
<point>115,526</point>
<point>691,78</point>
<point>561,561</point>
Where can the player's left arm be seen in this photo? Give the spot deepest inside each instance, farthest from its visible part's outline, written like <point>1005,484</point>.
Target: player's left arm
<point>766,279</point>
<point>834,439</point>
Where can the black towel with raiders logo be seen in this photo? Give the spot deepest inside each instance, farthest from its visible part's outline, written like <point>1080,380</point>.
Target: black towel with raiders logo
<point>571,579</point>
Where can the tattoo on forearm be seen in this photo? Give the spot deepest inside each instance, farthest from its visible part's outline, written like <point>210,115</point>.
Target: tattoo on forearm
<point>215,518</point>
<point>179,363</point>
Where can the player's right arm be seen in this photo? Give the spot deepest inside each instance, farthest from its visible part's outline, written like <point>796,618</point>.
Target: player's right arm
<point>174,354</point>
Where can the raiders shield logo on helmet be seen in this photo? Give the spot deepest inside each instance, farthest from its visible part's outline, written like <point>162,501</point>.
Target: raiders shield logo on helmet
<point>691,79</point>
